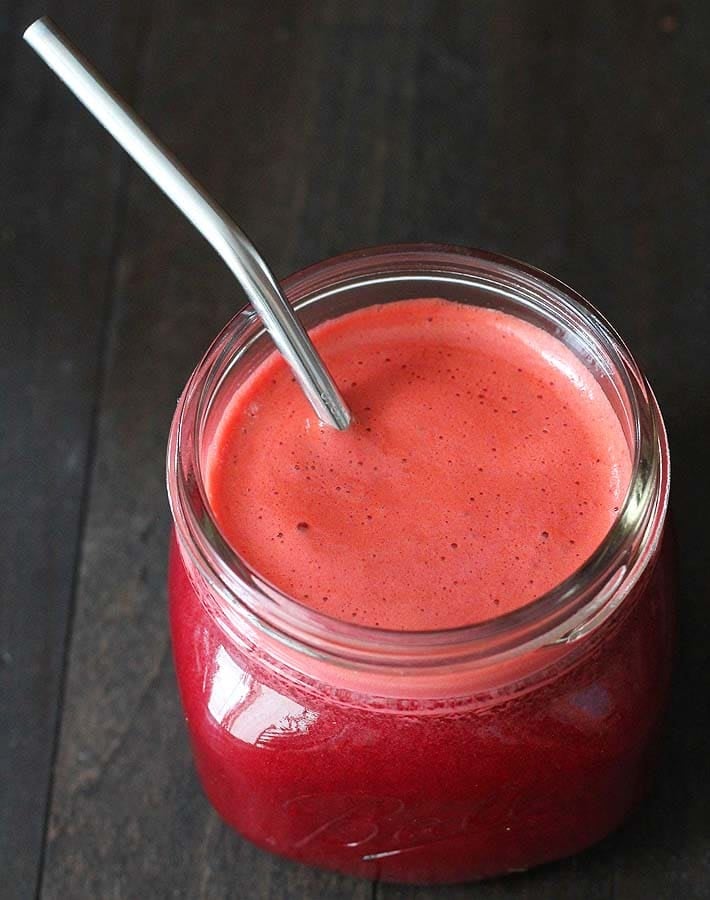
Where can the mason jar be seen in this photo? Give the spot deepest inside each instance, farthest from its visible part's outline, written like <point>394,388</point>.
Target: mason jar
<point>433,756</point>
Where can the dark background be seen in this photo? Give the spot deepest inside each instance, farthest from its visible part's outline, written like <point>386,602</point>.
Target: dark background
<point>573,134</point>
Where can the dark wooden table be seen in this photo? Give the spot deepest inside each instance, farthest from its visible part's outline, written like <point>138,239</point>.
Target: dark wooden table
<point>573,134</point>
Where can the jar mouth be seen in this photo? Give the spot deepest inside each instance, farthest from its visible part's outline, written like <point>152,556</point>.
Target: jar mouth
<point>564,613</point>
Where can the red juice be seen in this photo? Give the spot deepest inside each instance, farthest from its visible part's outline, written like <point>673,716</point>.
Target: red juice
<point>486,465</point>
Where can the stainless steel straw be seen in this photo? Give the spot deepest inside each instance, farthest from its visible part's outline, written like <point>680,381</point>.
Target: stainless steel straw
<point>213,223</point>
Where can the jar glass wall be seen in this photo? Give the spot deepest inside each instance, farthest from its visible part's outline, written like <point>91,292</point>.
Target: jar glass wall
<point>424,756</point>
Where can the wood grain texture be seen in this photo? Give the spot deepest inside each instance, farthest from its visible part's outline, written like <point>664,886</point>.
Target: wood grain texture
<point>573,135</point>
<point>60,205</point>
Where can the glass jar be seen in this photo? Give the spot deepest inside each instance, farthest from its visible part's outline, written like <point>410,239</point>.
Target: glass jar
<point>424,756</point>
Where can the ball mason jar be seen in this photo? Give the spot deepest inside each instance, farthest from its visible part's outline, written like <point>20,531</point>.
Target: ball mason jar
<point>433,756</point>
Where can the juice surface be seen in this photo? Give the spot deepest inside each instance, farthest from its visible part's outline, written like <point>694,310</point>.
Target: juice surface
<point>485,466</point>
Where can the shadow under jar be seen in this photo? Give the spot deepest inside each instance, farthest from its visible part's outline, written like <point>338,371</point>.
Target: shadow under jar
<point>433,756</point>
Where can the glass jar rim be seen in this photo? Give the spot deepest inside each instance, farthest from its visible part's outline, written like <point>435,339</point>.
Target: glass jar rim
<point>563,614</point>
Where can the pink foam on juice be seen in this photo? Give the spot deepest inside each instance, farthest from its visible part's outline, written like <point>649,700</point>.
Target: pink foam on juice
<point>484,467</point>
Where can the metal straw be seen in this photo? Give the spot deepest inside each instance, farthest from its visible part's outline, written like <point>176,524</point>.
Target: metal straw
<point>228,240</point>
